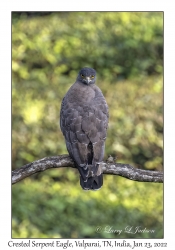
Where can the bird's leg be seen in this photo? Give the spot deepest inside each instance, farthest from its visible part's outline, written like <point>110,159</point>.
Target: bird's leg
<point>100,166</point>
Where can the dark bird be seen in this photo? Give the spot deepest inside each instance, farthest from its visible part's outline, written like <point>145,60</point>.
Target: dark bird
<point>84,121</point>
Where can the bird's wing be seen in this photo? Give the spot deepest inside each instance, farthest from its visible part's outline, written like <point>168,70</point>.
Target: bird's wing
<point>71,126</point>
<point>100,116</point>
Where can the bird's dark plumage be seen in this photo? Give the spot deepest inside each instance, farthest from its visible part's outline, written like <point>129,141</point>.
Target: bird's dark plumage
<point>84,121</point>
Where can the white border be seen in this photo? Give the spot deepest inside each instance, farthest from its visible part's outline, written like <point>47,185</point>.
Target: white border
<point>5,98</point>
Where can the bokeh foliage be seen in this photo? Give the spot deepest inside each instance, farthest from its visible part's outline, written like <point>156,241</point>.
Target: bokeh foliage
<point>126,49</point>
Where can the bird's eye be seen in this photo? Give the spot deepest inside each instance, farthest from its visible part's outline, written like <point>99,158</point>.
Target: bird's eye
<point>92,76</point>
<point>82,75</point>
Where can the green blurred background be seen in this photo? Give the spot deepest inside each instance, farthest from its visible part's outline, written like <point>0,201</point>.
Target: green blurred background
<point>48,50</point>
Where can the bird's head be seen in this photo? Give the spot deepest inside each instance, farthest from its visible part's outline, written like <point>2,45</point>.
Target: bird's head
<point>87,75</point>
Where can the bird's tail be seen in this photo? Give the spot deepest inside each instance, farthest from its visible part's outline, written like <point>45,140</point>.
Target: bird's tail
<point>92,183</point>
<point>91,177</point>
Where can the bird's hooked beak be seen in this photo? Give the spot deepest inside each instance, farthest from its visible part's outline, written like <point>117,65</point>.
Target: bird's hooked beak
<point>88,79</point>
